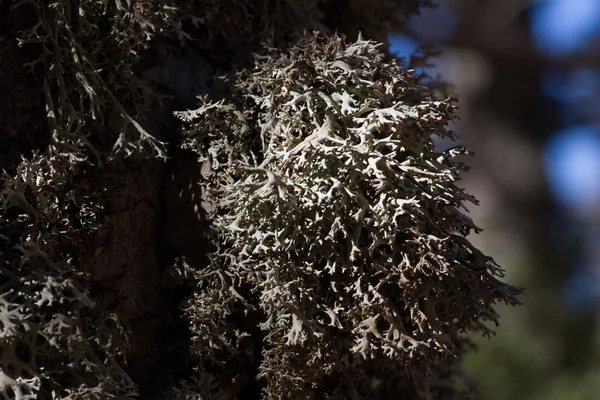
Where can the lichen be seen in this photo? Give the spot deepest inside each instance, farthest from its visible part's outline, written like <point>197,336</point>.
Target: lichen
<point>338,219</point>
<point>55,341</point>
<point>341,252</point>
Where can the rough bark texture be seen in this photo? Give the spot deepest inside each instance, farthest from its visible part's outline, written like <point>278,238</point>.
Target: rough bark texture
<point>125,262</point>
<point>156,214</point>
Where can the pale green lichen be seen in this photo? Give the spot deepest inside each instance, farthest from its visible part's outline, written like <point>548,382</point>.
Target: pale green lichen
<point>339,219</point>
<point>341,253</point>
<point>55,342</point>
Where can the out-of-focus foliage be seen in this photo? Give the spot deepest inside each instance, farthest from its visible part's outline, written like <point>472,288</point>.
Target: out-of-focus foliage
<point>234,28</point>
<point>340,221</point>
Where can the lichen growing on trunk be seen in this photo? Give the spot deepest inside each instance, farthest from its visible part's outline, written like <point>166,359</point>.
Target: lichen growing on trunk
<point>339,219</point>
<point>342,269</point>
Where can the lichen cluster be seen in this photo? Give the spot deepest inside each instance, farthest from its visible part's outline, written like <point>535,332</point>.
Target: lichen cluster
<point>339,221</point>
<point>55,342</point>
<point>87,52</point>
